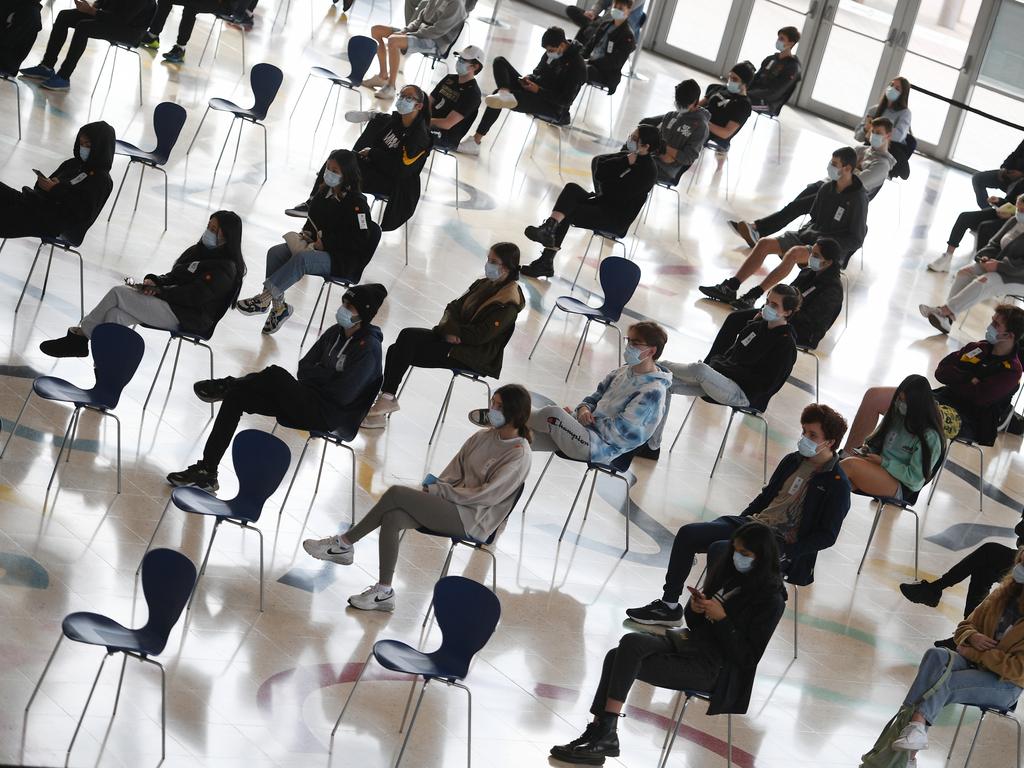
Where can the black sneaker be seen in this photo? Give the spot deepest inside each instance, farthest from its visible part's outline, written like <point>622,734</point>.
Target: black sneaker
<point>479,417</point>
<point>71,345</point>
<point>657,613</point>
<point>922,593</point>
<point>346,5</point>
<point>747,300</point>
<point>299,211</point>
<point>212,390</point>
<point>646,452</point>
<point>197,476</point>
<point>721,292</point>
<point>175,56</point>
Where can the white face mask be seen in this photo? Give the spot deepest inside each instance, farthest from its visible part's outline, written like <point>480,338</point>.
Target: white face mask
<point>833,172</point>
<point>617,14</point>
<point>877,140</point>
<point>769,313</point>
<point>83,152</point>
<point>814,262</point>
<point>492,271</point>
<point>553,56</point>
<point>332,179</point>
<point>631,145</point>
<point>462,67</point>
<point>779,45</point>
<point>209,239</point>
<point>1019,216</point>
<point>404,105</point>
<point>1018,573</point>
<point>495,418</point>
<point>892,94</point>
<point>345,317</point>
<point>743,563</point>
<point>807,447</point>
<point>733,87</point>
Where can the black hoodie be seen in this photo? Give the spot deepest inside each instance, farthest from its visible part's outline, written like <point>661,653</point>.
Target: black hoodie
<point>200,287</point>
<point>346,230</point>
<point>134,14</point>
<point>560,80</point>
<point>759,360</point>
<point>84,185</point>
<point>622,188</point>
<point>344,374</point>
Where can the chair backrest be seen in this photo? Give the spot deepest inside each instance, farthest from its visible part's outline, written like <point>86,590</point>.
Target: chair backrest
<point>167,581</point>
<point>265,80</point>
<point>448,51</point>
<point>361,51</point>
<point>619,278</point>
<point>117,351</point>
<point>261,461</point>
<point>168,120</point>
<point>467,613</point>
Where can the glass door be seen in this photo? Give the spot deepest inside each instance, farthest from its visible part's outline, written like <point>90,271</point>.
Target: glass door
<point>766,17</point>
<point>697,32</point>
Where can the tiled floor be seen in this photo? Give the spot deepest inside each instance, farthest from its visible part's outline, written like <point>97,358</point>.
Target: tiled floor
<point>251,689</point>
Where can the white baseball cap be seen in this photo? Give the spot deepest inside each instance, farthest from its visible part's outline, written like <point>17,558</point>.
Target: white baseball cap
<point>471,52</point>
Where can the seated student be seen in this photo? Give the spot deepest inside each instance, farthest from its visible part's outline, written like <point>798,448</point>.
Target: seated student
<point>67,202</point>
<point>839,211</point>
<point>622,181</point>
<point>434,27</point>
<point>472,333</point>
<point>455,100</point>
<point>336,378</point>
<point>984,223</point>
<point>872,168</point>
<point>902,453</point>
<point>232,9</point>
<point>201,286</point>
<point>804,504</point>
<point>997,269</point>
<point>336,240</point>
<point>120,21</point>
<point>729,624</point>
<point>1011,171</point>
<point>893,105</point>
<point>20,22</point>
<point>471,497</point>
<point>610,47</point>
<point>683,132</point>
<point>777,74</point>
<point>987,665</point>
<point>549,90</point>
<point>728,106</point>
<point>588,19</point>
<point>624,410</point>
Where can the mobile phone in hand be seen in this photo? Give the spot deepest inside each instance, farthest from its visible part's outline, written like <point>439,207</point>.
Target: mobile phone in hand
<point>696,593</point>
<point>37,172</point>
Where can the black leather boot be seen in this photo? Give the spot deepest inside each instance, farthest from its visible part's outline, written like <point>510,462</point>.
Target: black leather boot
<point>544,234</point>
<point>600,740</point>
<point>542,267</point>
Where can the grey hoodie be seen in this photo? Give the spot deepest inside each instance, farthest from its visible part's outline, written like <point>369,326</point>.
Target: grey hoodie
<point>437,20</point>
<point>685,132</point>
<point>873,166</point>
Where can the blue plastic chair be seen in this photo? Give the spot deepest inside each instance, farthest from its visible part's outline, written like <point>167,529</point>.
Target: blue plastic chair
<point>1004,713</point>
<point>116,353</point>
<point>261,462</point>
<point>168,120</point>
<point>167,581</point>
<point>467,614</point>
<point>65,244</point>
<point>619,278</point>
<point>361,52</point>
<point>265,81</point>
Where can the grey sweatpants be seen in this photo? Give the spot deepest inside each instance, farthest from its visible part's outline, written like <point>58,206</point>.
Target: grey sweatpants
<point>571,437</point>
<point>399,508</point>
<point>127,306</point>
<point>697,380</point>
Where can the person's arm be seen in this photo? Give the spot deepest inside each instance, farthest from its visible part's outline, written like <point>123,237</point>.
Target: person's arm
<point>741,639</point>
<point>488,326</point>
<point>634,424</point>
<point>208,283</point>
<point>448,121</point>
<point>725,132</point>
<point>950,372</point>
<point>608,168</point>
<point>503,480</point>
<point>996,387</point>
<point>873,172</point>
<point>1010,265</point>
<point>591,400</point>
<point>309,369</point>
<point>653,120</point>
<point>694,144</point>
<point>860,132</point>
<point>1008,664</point>
<point>901,126</point>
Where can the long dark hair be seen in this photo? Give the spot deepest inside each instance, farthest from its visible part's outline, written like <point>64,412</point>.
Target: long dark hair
<point>900,103</point>
<point>509,255</point>
<point>231,230</point>
<point>765,573</point>
<point>515,406</point>
<point>348,161</point>
<point>922,415</point>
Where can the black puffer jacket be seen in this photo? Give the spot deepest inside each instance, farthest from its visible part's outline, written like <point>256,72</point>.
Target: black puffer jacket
<point>74,203</point>
<point>200,287</point>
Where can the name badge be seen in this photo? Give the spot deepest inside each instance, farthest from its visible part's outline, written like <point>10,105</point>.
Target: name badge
<point>749,339</point>
<point>840,212</point>
<point>796,485</point>
<point>193,266</point>
<point>973,354</point>
<point>80,177</point>
<point>610,46</point>
<point>362,220</point>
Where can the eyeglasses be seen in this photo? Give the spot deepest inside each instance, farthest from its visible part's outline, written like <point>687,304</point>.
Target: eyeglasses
<point>636,342</point>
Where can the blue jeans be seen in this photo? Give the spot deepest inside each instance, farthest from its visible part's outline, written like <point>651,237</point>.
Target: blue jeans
<point>285,270</point>
<point>982,182</point>
<point>966,685</point>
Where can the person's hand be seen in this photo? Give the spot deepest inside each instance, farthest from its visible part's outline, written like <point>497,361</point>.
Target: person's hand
<point>713,609</point>
<point>318,244</point>
<point>85,7</point>
<point>990,265</point>
<point>981,642</point>
<point>147,281</point>
<point>1004,214</point>
<point>530,86</point>
<point>874,458</point>
<point>966,651</point>
<point>590,15</point>
<point>697,605</point>
<point>631,158</point>
<point>1014,174</point>
<point>364,152</point>
<point>585,417</point>
<point>975,381</point>
<point>452,339</point>
<point>46,184</point>
<point>149,290</point>
<point>994,200</point>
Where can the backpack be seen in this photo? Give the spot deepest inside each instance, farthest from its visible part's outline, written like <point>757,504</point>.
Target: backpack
<point>882,755</point>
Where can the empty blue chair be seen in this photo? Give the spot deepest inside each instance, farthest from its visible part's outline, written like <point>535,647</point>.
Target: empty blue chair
<point>168,120</point>
<point>619,278</point>
<point>116,353</point>
<point>265,81</point>
<point>167,581</point>
<point>467,614</point>
<point>261,462</point>
<point>361,52</point>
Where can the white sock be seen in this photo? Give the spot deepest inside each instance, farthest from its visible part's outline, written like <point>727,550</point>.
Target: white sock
<point>384,588</point>
<point>673,606</point>
<point>386,396</point>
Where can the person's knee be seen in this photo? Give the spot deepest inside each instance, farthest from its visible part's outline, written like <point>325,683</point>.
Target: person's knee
<point>632,643</point>
<point>795,255</point>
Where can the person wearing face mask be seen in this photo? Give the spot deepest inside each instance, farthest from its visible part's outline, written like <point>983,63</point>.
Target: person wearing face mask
<point>903,452</point>
<point>729,621</point>
<point>804,504</point>
<point>67,202</point>
<point>589,19</point>
<point>549,90</point>
<point>470,499</point>
<point>1004,177</point>
<point>874,163</point>
<point>200,288</point>
<point>20,23</point>
<point>335,382</point>
<point>622,181</point>
<point>338,240</point>
<point>839,211</point>
<point>984,224</point>
<point>683,132</point>
<point>472,333</point>
<point>610,46</point>
<point>456,98</point>
<point>986,669</point>
<point>778,74</point>
<point>624,410</point>
<point>997,270</point>
<point>893,105</point>
<point>728,105</point>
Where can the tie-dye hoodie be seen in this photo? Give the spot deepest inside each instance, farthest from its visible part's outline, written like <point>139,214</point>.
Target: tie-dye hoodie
<point>627,408</point>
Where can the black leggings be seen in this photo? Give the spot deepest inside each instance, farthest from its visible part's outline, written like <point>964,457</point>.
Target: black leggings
<point>414,346</point>
<point>86,27</point>
<point>507,76</point>
<point>793,210</point>
<point>270,392</point>
<point>24,215</point>
<point>189,10</point>
<point>984,567</point>
<point>657,660</point>
<point>969,220</point>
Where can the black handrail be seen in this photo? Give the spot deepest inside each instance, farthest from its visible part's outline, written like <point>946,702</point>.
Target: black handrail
<point>966,107</point>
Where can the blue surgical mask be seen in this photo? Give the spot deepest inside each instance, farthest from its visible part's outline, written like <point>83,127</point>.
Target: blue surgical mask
<point>991,334</point>
<point>209,239</point>
<point>901,407</point>
<point>632,355</point>
<point>742,563</point>
<point>345,317</point>
<point>495,418</point>
<point>814,262</point>
<point>833,172</point>
<point>1019,215</point>
<point>552,57</point>
<point>492,271</point>
<point>779,45</point>
<point>404,105</point>
<point>631,145</point>
<point>733,86</point>
<point>807,447</point>
<point>1018,573</point>
<point>462,66</point>
<point>877,140</point>
<point>83,152</point>
<point>769,313</point>
<point>617,14</point>
<point>332,179</point>
<point>892,94</point>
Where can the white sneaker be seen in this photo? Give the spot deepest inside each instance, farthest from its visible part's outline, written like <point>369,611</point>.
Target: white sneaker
<point>387,92</point>
<point>383,406</point>
<point>501,101</point>
<point>360,116</point>
<point>941,264</point>
<point>927,310</point>
<point>374,82</point>
<point>914,738</point>
<point>332,549</point>
<point>468,147</point>
<point>940,322</point>
<point>375,598</point>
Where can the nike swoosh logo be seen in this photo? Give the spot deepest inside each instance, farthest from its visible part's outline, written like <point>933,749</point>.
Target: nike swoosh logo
<point>380,599</point>
<point>335,551</point>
